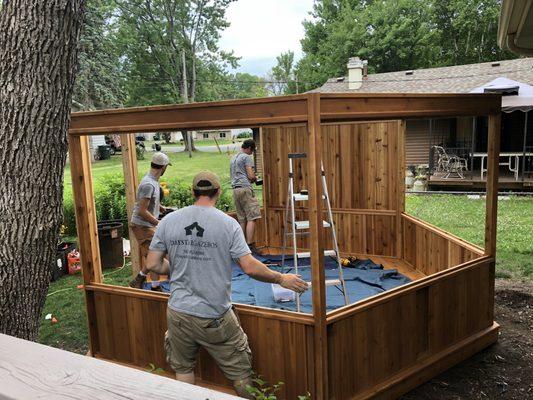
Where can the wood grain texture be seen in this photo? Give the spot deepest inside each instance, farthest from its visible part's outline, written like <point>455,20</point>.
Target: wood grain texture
<point>384,338</point>
<point>316,246</point>
<point>280,110</point>
<point>361,164</point>
<point>493,171</point>
<point>431,250</point>
<point>31,370</point>
<point>131,325</point>
<point>131,182</point>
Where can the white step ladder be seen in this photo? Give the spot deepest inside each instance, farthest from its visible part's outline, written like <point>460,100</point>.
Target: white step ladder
<point>297,226</point>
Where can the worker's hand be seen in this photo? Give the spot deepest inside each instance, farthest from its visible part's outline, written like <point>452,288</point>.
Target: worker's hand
<point>293,282</point>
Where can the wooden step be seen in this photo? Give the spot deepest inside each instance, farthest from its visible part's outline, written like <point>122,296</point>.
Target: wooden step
<point>327,253</point>
<point>305,224</point>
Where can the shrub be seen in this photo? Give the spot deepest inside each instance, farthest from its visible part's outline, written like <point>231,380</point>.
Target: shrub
<point>110,201</point>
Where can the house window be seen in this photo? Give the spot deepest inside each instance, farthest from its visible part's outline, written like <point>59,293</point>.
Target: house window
<point>223,135</point>
<point>206,135</point>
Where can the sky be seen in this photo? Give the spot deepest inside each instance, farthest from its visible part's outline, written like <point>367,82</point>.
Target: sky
<point>262,29</point>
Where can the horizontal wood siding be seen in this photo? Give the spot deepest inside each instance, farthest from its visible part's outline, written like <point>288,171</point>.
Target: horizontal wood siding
<point>417,139</point>
<point>381,340</point>
<point>430,249</point>
<point>131,328</point>
<point>361,164</point>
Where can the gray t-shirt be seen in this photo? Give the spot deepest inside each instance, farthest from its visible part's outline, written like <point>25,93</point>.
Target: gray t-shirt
<point>201,243</point>
<point>238,165</point>
<point>148,189</point>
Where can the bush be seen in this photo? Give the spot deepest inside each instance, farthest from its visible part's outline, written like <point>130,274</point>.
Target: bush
<point>110,201</point>
<point>244,135</point>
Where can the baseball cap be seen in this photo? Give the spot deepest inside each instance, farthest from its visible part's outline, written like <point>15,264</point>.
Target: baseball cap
<point>205,180</point>
<point>160,159</point>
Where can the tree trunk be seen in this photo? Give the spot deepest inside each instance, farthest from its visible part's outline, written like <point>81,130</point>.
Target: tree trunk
<point>184,93</point>
<point>188,141</point>
<point>38,59</point>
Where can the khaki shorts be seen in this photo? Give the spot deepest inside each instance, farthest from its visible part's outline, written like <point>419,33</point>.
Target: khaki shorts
<point>246,204</point>
<point>144,235</point>
<point>223,338</point>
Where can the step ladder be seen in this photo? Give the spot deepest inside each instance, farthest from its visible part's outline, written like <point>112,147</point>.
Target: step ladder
<point>298,228</point>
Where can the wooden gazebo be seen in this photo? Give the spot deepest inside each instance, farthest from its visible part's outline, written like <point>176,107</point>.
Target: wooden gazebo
<point>379,347</point>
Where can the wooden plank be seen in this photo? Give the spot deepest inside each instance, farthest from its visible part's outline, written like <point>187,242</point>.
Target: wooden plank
<point>346,311</point>
<point>131,181</point>
<point>491,216</point>
<point>82,188</point>
<point>317,247</point>
<point>335,107</point>
<point>197,116</point>
<point>400,193</point>
<point>32,370</point>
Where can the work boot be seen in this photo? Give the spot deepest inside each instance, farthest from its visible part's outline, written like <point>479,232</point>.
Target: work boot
<point>138,281</point>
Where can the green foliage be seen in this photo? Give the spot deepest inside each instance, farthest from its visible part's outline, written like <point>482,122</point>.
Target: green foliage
<point>181,196</point>
<point>110,200</point>
<point>100,78</point>
<point>155,370</point>
<point>261,391</point>
<point>282,77</point>
<point>397,35</point>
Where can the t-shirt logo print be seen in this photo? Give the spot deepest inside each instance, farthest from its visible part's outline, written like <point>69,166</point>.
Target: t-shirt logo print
<point>199,230</point>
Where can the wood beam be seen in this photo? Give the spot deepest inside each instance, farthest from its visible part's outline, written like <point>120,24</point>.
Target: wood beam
<point>131,181</point>
<point>339,107</point>
<point>493,167</point>
<point>400,207</point>
<point>317,246</point>
<point>82,188</point>
<point>223,114</point>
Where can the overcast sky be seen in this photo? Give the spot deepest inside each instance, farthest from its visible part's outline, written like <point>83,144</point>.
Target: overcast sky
<point>262,29</point>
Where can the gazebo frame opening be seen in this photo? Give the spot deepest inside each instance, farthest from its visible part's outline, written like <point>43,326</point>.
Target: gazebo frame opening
<point>383,345</point>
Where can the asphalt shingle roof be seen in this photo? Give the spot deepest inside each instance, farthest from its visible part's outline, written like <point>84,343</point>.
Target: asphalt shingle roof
<point>455,79</point>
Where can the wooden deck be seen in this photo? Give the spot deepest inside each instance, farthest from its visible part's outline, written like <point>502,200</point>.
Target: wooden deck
<point>30,370</point>
<point>473,180</point>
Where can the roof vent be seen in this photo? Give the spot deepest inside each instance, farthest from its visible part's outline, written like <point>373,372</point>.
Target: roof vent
<point>410,72</point>
<point>340,79</point>
<point>495,64</point>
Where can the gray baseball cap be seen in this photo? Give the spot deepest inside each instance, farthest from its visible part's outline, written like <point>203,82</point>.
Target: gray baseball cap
<point>160,158</point>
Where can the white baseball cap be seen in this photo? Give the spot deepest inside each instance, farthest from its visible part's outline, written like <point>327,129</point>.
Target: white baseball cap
<point>160,158</point>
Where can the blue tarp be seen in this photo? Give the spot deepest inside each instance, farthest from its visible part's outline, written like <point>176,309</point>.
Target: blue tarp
<point>363,280</point>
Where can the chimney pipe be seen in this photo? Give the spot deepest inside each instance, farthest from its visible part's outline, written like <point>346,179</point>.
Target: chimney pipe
<point>357,68</point>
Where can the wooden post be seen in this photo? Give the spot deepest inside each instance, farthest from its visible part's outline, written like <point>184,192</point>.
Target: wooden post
<point>82,188</point>
<point>493,167</point>
<point>131,181</point>
<point>400,206</point>
<point>317,246</point>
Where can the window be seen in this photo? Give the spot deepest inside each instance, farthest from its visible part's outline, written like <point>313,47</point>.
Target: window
<point>222,134</point>
<point>206,135</point>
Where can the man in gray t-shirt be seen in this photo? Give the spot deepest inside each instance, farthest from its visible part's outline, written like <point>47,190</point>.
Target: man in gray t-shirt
<point>145,216</point>
<point>201,242</point>
<point>242,175</point>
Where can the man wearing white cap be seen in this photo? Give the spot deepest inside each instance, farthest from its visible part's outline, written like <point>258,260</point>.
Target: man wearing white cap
<point>146,213</point>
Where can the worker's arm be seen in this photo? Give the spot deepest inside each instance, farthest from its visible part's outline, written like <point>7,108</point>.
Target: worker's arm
<point>145,214</point>
<point>259,271</point>
<point>250,173</point>
<point>156,262</point>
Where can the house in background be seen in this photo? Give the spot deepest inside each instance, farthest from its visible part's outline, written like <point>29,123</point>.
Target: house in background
<point>219,134</point>
<point>463,136</point>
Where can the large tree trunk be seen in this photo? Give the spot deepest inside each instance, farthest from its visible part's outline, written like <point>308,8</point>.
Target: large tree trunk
<point>38,59</point>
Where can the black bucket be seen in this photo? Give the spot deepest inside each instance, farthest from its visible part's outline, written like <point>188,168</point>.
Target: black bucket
<point>110,242</point>
<point>60,266</point>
